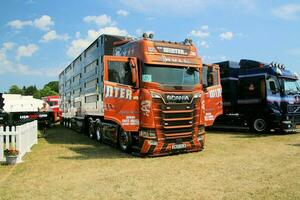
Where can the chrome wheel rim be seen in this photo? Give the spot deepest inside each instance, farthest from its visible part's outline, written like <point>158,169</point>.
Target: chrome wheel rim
<point>98,135</point>
<point>124,140</point>
<point>260,125</point>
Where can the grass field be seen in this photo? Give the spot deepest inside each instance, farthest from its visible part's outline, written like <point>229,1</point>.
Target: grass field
<point>68,165</point>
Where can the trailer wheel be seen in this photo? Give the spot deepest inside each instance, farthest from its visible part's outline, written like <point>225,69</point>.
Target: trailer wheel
<point>259,125</point>
<point>99,132</point>
<point>125,141</point>
<point>91,130</point>
<point>70,123</point>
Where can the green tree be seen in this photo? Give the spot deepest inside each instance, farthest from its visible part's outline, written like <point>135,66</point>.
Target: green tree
<point>14,89</point>
<point>30,90</point>
<point>53,86</point>
<point>37,94</point>
<point>47,91</point>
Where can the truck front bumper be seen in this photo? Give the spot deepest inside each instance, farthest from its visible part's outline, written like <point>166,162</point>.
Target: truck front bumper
<point>163,147</point>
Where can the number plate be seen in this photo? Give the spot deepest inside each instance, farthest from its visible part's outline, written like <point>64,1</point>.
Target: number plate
<point>179,146</point>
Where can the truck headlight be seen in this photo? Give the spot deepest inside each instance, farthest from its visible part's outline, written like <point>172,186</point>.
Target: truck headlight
<point>197,95</point>
<point>155,95</point>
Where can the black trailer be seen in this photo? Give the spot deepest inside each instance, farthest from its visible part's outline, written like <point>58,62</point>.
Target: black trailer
<point>18,118</point>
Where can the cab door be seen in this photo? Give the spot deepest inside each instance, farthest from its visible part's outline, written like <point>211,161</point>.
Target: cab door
<point>121,96</point>
<point>213,93</point>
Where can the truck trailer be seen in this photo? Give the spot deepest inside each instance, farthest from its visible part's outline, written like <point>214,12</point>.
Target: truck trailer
<point>16,109</point>
<point>259,96</point>
<point>145,96</point>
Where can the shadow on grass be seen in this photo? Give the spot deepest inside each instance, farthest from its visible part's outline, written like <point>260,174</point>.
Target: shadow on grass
<point>240,133</point>
<point>295,145</point>
<point>84,147</point>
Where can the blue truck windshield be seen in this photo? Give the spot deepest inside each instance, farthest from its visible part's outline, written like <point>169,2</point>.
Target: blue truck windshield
<point>291,86</point>
<point>170,75</point>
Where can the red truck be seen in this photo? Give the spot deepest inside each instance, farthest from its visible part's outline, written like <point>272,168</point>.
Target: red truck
<point>53,102</point>
<point>151,97</point>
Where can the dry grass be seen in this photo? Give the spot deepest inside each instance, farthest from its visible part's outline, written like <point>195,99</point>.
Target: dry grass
<point>68,165</point>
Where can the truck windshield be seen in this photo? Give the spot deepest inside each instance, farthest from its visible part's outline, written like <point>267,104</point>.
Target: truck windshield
<point>291,86</point>
<point>170,75</point>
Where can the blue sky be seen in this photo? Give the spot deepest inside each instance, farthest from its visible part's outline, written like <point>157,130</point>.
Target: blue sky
<point>38,38</point>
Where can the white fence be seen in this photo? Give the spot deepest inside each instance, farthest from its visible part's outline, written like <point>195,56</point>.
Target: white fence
<point>21,138</point>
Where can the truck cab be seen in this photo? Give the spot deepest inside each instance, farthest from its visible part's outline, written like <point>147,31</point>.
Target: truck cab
<point>168,99</point>
<point>259,95</point>
<point>283,98</point>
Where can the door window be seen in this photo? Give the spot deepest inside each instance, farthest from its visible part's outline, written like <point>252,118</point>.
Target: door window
<point>119,72</point>
<point>210,76</point>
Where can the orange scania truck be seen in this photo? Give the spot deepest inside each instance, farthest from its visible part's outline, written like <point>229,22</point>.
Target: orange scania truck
<point>145,96</point>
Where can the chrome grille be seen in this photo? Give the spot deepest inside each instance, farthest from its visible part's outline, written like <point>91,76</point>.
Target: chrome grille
<point>176,120</point>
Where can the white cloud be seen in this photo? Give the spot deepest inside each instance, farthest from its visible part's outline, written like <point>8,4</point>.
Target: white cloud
<point>7,66</point>
<point>43,23</point>
<point>78,45</point>
<point>204,27</point>
<point>139,32</point>
<point>77,34</point>
<point>226,35</point>
<point>18,24</point>
<point>150,18</point>
<point>287,12</point>
<point>7,46</point>
<point>183,8</point>
<point>200,34</point>
<point>204,44</point>
<point>26,51</point>
<point>52,35</point>
<point>101,20</point>
<point>123,13</point>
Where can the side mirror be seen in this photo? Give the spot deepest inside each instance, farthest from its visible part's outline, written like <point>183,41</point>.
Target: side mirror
<point>134,71</point>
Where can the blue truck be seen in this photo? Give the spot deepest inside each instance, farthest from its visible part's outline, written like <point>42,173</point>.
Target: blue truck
<point>259,96</point>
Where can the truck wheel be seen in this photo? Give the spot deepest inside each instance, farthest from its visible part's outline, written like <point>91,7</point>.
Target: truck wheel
<point>99,132</point>
<point>259,125</point>
<point>125,141</point>
<point>91,130</point>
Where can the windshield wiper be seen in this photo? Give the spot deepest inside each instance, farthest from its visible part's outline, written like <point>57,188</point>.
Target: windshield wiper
<point>289,92</point>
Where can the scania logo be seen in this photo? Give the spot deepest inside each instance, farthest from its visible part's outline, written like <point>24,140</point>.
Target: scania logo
<point>178,98</point>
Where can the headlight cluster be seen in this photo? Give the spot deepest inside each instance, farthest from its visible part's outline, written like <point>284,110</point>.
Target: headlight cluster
<point>155,95</point>
<point>197,95</point>
<point>147,133</point>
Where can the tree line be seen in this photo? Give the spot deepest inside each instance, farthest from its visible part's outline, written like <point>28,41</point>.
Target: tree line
<point>49,89</point>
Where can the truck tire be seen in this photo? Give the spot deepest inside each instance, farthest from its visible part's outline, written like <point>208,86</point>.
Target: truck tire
<point>98,131</point>
<point>259,125</point>
<point>125,141</point>
<point>91,130</point>
<point>70,124</point>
